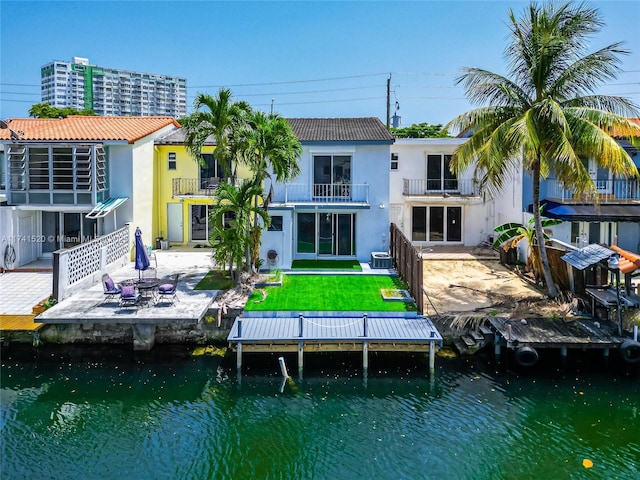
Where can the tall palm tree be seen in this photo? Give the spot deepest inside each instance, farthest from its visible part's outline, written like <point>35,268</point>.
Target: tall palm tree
<point>231,240</point>
<point>217,116</point>
<point>268,146</point>
<point>546,114</point>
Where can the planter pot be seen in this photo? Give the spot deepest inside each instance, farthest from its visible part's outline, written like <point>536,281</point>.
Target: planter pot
<point>38,309</point>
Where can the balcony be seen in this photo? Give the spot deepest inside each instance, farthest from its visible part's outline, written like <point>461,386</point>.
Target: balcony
<point>618,191</point>
<point>322,193</point>
<point>451,187</point>
<point>195,187</point>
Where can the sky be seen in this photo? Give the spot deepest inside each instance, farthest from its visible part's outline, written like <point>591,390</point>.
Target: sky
<point>296,58</point>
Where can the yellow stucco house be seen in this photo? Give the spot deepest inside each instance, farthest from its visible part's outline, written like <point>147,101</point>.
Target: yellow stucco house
<point>184,190</point>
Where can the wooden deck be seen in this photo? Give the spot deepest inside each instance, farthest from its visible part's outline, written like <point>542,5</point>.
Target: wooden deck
<point>556,333</point>
<point>19,323</point>
<point>334,334</point>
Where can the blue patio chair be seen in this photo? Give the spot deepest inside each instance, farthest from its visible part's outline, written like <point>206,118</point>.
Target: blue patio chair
<point>169,290</point>
<point>129,296</point>
<point>110,289</point>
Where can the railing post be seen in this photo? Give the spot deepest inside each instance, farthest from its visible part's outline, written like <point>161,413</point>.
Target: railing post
<point>239,335</point>
<point>300,322</point>
<point>364,325</point>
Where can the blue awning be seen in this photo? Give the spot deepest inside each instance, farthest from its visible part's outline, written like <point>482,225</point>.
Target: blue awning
<point>103,209</point>
<point>590,213</point>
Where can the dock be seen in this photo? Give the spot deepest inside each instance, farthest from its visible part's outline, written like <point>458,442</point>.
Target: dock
<point>316,333</point>
<point>526,336</point>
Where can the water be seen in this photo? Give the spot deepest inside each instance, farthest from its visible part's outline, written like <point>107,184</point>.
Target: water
<point>85,413</point>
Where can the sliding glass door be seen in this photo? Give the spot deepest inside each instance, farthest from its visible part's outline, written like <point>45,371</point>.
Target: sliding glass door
<point>326,234</point>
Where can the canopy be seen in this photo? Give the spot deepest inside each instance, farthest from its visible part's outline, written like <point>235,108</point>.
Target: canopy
<point>102,209</point>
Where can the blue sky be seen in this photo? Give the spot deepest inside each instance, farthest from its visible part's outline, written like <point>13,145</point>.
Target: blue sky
<point>311,59</point>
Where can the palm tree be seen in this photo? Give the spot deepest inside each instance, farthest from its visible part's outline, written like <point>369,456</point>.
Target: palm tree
<point>267,145</point>
<point>235,204</point>
<point>546,114</point>
<point>220,117</point>
<point>511,233</point>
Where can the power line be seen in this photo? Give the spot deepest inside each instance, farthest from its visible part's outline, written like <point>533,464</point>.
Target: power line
<point>290,82</point>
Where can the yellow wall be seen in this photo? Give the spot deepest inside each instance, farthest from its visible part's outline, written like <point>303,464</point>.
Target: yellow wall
<point>186,167</point>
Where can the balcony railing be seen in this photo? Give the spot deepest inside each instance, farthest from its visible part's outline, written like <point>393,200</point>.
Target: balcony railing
<point>322,193</point>
<point>609,191</point>
<point>421,186</point>
<point>198,187</point>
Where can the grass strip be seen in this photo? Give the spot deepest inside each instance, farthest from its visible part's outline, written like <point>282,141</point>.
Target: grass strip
<point>326,265</point>
<point>343,293</point>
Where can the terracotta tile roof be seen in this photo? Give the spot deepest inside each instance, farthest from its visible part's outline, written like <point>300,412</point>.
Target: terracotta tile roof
<point>363,129</point>
<point>627,133</point>
<point>78,128</point>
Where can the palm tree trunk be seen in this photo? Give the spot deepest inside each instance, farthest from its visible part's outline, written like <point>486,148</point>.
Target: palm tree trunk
<point>552,291</point>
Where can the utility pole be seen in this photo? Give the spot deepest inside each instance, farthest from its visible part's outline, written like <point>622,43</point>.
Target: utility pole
<point>388,100</point>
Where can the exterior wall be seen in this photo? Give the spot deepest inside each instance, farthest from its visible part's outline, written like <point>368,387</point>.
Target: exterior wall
<point>186,167</point>
<point>479,217</point>
<point>369,165</point>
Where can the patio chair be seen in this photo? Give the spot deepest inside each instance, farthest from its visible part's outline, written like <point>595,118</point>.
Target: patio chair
<point>169,290</point>
<point>129,296</point>
<point>110,289</point>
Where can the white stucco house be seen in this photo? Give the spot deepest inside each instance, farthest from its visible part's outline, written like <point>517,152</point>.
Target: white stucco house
<point>434,207</point>
<point>338,207</point>
<point>69,180</point>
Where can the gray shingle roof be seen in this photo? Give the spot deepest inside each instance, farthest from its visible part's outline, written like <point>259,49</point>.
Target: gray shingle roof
<point>361,129</point>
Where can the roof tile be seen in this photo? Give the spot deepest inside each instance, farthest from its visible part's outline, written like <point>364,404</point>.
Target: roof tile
<point>340,129</point>
<point>81,128</point>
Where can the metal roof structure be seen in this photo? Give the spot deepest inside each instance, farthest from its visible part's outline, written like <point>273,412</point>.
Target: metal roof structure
<point>587,256</point>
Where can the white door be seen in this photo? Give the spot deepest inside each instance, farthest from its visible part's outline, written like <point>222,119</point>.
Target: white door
<point>27,248</point>
<point>601,177</point>
<point>175,222</point>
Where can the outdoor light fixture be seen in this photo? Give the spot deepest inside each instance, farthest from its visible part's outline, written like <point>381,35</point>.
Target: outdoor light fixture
<point>614,266</point>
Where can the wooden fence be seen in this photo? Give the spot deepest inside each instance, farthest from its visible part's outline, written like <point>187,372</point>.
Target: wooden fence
<point>408,263</point>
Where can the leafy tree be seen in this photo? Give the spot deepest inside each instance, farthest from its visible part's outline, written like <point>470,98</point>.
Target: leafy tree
<point>511,233</point>
<point>546,115</point>
<point>219,117</point>
<point>231,241</point>
<point>420,130</point>
<point>44,110</point>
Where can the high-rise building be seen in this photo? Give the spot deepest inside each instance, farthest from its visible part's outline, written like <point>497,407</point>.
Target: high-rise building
<point>108,91</point>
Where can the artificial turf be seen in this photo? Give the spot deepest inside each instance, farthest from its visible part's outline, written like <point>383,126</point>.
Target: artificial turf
<point>214,280</point>
<point>326,265</point>
<point>341,293</point>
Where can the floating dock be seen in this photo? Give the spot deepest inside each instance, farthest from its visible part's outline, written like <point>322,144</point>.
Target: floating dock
<point>310,333</point>
<point>526,336</point>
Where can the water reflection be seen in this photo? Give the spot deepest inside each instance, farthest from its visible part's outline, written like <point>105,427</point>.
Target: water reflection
<point>111,413</point>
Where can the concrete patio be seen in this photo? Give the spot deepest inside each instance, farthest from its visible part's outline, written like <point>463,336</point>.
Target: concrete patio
<point>91,305</point>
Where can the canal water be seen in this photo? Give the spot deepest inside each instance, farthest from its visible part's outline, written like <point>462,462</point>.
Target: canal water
<point>97,413</point>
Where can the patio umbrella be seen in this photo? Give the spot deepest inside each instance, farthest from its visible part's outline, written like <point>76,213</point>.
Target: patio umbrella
<point>142,257</point>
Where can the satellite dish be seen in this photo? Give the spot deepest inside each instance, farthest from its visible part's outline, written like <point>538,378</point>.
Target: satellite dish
<point>4,124</point>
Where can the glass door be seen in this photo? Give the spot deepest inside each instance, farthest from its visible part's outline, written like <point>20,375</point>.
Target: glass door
<point>325,234</point>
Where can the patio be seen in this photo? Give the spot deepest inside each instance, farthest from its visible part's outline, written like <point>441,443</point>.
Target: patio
<point>91,306</point>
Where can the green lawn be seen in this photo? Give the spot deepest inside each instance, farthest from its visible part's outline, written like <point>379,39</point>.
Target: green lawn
<point>326,265</point>
<point>214,280</point>
<point>329,293</point>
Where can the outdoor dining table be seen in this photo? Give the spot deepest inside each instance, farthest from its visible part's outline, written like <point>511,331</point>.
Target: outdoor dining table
<point>147,289</point>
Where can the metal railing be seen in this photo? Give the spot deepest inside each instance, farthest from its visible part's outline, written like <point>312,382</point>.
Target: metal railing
<point>609,191</point>
<point>423,186</point>
<point>198,187</point>
<point>323,193</point>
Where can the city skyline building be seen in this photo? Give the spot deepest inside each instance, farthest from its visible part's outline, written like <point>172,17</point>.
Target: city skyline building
<point>112,92</point>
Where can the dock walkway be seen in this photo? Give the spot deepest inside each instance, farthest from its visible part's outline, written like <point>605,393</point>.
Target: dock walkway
<point>345,333</point>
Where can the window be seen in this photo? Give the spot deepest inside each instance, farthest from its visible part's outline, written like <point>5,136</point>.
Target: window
<point>330,175</point>
<point>276,224</point>
<point>439,176</point>
<point>172,161</point>
<point>394,161</point>
<point>436,224</point>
